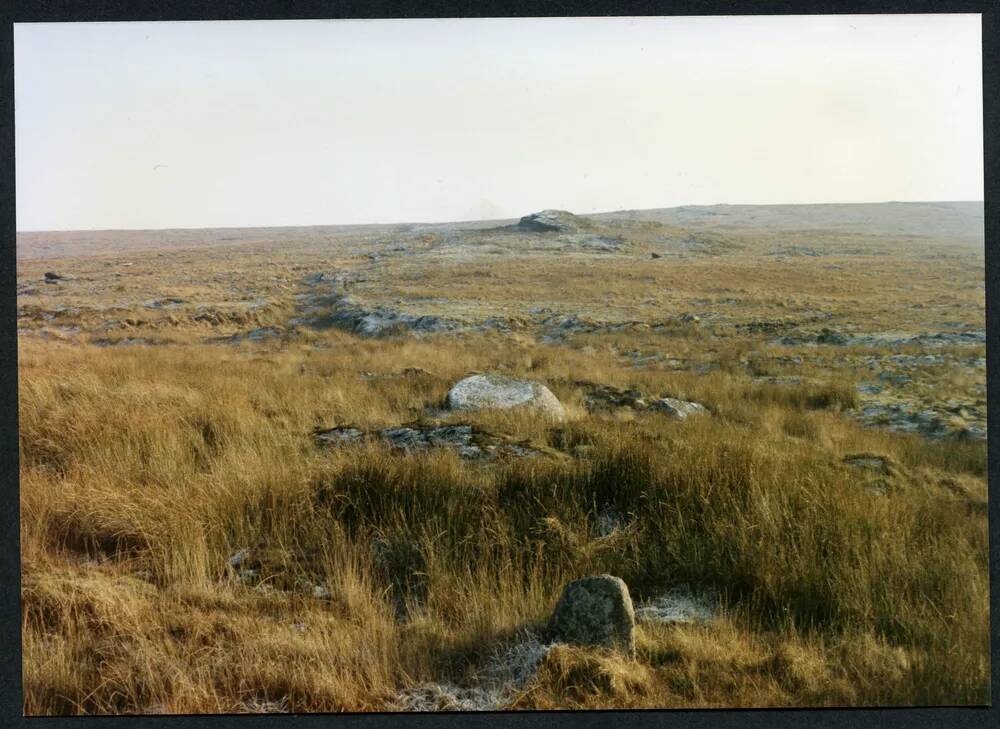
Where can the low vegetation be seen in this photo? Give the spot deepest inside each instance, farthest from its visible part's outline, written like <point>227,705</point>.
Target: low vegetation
<point>192,542</point>
<point>144,470</point>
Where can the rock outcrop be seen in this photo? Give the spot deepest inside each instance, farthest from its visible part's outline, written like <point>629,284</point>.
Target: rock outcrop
<point>606,398</point>
<point>342,313</point>
<point>549,221</point>
<point>469,442</point>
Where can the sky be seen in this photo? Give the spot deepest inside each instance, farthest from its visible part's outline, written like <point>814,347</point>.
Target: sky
<point>258,123</point>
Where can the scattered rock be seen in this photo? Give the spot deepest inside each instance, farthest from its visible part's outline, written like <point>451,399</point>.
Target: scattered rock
<point>793,340</point>
<point>639,360</point>
<point>680,409</point>
<point>254,335</point>
<point>595,611</point>
<point>606,398</point>
<point>890,339</point>
<point>378,322</point>
<point>124,342</point>
<point>906,417</point>
<point>593,242</point>
<point>411,439</point>
<point>794,251</point>
<point>408,372</point>
<point>759,326</point>
<point>415,372</point>
<point>469,442</point>
<point>895,378</point>
<point>339,436</point>
<point>829,336</point>
<point>480,392</point>
<point>771,380</point>
<point>869,462</point>
<point>169,302</point>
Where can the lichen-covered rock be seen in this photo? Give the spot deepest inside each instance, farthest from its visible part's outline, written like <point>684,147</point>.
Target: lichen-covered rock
<point>484,392</point>
<point>469,442</point>
<point>606,398</point>
<point>338,436</point>
<point>829,336</point>
<point>675,408</point>
<point>595,611</point>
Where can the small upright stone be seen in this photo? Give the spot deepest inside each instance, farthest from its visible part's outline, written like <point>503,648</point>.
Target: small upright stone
<point>595,611</point>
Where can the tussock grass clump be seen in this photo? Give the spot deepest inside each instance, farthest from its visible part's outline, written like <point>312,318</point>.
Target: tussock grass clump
<point>585,676</point>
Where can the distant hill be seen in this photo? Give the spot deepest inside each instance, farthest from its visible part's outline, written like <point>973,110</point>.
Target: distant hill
<point>933,219</point>
<point>940,220</point>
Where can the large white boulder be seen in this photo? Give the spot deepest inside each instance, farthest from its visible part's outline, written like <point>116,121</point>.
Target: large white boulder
<point>482,392</point>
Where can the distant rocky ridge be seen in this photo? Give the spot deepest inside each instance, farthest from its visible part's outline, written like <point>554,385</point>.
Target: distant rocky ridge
<point>962,219</point>
<point>922,219</point>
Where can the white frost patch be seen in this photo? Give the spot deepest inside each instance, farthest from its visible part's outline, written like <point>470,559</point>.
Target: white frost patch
<point>515,664</point>
<point>444,697</point>
<point>507,672</point>
<point>678,605</point>
<point>263,706</point>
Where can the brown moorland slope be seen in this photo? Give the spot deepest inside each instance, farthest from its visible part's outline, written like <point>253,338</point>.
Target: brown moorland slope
<point>191,544</point>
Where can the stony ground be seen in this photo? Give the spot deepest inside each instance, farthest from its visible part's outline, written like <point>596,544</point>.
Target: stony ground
<point>902,316</point>
<point>197,409</point>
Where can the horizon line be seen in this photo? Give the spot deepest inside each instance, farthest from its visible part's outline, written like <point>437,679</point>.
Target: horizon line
<point>482,220</point>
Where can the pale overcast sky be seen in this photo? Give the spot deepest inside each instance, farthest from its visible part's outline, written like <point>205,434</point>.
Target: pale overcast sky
<point>197,124</point>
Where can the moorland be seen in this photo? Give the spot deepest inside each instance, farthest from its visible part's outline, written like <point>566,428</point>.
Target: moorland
<point>243,488</point>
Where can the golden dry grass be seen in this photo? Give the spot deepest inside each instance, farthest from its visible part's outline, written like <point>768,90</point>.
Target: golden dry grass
<point>145,468</point>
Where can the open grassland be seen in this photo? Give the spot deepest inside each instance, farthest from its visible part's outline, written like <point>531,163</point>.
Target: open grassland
<point>188,546</point>
<point>144,470</point>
